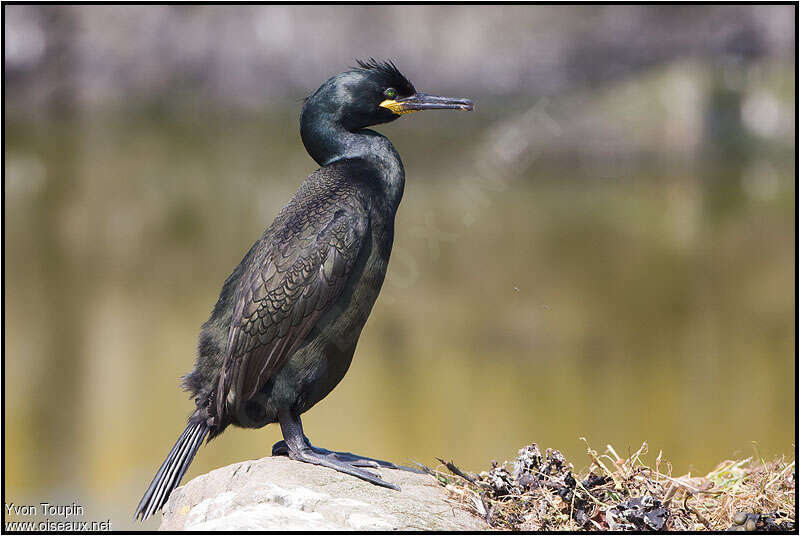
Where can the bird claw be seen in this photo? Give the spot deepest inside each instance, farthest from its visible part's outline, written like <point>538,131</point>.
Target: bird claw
<point>345,462</point>
<point>332,461</point>
<point>280,449</point>
<point>353,459</point>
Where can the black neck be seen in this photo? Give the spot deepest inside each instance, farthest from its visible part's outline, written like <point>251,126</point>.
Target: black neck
<point>328,141</point>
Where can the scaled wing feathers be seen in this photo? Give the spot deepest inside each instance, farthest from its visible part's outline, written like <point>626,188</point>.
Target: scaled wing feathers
<point>282,295</point>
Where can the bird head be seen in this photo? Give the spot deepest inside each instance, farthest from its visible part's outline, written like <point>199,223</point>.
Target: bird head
<point>373,93</point>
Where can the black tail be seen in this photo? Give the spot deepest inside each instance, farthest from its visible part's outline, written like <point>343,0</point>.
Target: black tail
<point>172,470</point>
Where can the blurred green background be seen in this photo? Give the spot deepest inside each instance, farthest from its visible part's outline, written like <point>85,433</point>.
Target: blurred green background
<point>604,248</point>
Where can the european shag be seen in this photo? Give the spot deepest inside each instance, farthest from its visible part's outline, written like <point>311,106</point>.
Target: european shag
<point>288,318</point>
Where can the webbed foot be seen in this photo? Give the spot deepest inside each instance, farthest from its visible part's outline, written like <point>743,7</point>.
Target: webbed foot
<point>297,447</point>
<point>280,449</point>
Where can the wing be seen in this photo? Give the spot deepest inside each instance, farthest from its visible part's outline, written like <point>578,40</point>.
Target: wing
<point>294,280</point>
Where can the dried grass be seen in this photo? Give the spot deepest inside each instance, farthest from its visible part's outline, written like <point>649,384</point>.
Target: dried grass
<point>543,492</point>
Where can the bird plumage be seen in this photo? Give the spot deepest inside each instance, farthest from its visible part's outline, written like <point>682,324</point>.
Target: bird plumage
<point>284,329</point>
<point>299,270</point>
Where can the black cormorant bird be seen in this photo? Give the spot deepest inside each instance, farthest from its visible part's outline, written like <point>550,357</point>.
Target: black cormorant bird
<point>288,318</point>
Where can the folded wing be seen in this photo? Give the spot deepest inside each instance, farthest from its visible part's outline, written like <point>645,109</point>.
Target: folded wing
<point>294,280</point>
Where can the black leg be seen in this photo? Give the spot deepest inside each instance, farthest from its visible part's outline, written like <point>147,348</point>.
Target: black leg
<point>280,449</point>
<point>296,445</point>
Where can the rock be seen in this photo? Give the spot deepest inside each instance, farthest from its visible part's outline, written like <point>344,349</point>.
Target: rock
<point>276,493</point>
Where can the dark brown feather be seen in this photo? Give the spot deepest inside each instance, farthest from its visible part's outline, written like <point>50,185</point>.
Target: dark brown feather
<point>300,268</point>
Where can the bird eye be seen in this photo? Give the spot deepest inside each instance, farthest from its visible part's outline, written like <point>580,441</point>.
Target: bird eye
<point>390,93</point>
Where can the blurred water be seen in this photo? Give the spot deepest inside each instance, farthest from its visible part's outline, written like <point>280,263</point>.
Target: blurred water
<point>619,301</point>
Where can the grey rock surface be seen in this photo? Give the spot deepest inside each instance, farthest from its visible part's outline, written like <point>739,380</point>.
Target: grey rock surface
<point>276,493</point>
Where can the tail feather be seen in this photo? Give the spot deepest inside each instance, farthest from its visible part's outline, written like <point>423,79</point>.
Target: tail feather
<point>172,470</point>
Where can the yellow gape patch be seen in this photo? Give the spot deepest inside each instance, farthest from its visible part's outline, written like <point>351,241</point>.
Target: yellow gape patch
<point>395,107</point>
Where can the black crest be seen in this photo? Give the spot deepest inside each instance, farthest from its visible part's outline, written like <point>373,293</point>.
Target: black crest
<point>390,74</point>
